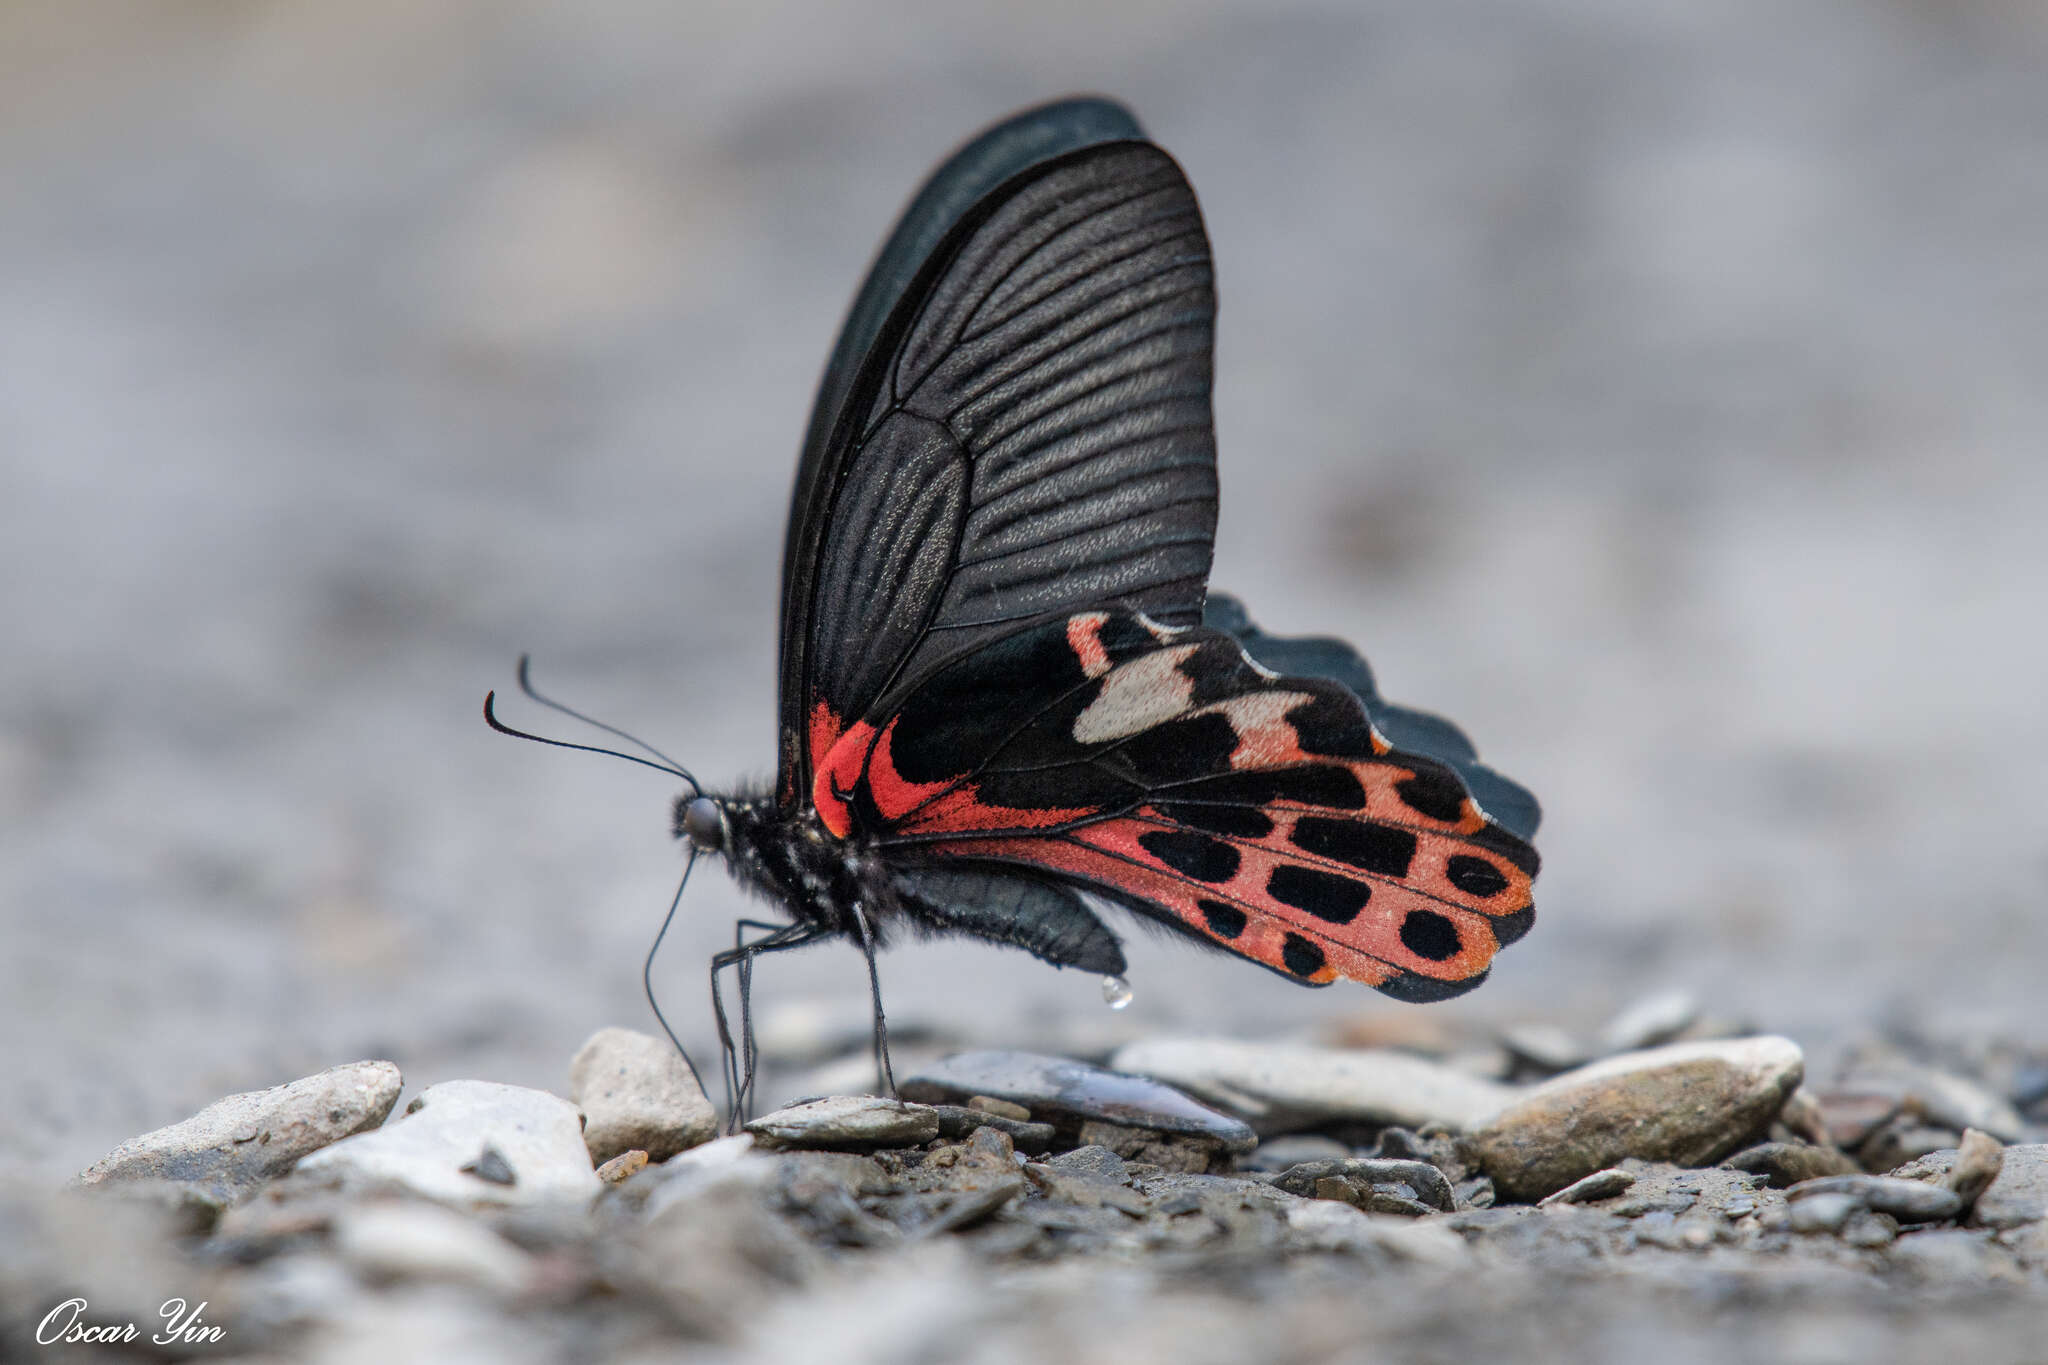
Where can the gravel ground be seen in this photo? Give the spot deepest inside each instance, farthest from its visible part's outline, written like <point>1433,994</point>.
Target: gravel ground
<point>1653,388</point>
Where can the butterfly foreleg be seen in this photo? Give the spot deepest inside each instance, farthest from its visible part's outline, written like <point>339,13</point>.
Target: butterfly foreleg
<point>740,1061</point>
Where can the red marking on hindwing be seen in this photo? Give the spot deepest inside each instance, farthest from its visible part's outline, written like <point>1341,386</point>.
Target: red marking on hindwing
<point>1084,637</point>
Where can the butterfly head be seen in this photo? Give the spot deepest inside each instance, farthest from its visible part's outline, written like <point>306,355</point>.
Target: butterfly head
<point>701,820</point>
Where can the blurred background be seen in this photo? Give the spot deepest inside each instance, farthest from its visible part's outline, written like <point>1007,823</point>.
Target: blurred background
<point>1656,388</point>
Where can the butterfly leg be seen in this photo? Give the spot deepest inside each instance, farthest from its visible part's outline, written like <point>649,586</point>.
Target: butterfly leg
<point>884,1073</point>
<point>740,1061</point>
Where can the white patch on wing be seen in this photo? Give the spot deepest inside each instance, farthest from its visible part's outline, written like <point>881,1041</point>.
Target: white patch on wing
<point>1150,690</point>
<point>1265,739</point>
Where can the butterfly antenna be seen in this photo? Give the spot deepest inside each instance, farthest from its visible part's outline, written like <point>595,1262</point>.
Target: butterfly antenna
<point>671,768</point>
<point>647,974</point>
<point>534,694</point>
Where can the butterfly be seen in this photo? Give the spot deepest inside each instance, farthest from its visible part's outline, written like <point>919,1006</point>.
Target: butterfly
<point>1008,699</point>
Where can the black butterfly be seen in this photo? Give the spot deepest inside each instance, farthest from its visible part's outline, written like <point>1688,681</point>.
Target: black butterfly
<point>1007,696</point>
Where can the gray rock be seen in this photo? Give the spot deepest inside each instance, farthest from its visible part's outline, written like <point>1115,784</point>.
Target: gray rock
<point>636,1092</point>
<point>231,1148</point>
<point>2018,1194</point>
<point>1788,1163</point>
<point>1650,1021</point>
<point>538,1138</point>
<point>1909,1201</point>
<point>1545,1047</point>
<point>1850,1116</point>
<point>1068,1094</point>
<point>384,1240</point>
<point>1277,1154</point>
<point>1824,1212</point>
<point>1686,1103</point>
<point>847,1121</point>
<point>1868,1229</point>
<point>1410,1181</point>
<point>1593,1188</point>
<point>1280,1086</point>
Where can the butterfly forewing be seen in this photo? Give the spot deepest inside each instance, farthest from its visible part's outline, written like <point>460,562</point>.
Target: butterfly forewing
<point>1030,434</point>
<point>1165,767</point>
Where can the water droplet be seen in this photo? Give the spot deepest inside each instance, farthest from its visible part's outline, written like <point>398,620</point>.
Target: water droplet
<point>1116,992</point>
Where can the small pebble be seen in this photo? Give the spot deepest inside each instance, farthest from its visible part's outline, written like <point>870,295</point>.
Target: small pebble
<point>1978,1161</point>
<point>1002,1109</point>
<point>1788,1163</point>
<point>1422,1182</point>
<point>1069,1094</point>
<point>958,1121</point>
<point>1545,1048</point>
<point>1823,1212</point>
<point>1599,1185</point>
<point>622,1167</point>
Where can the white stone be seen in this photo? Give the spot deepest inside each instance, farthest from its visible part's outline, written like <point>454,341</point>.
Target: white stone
<point>540,1137</point>
<point>1278,1086</point>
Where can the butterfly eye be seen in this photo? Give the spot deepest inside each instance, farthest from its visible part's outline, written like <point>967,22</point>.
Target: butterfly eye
<point>705,824</point>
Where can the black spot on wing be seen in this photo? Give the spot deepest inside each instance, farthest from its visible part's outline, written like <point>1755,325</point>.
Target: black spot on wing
<point>1301,957</point>
<point>1323,894</point>
<point>1224,921</point>
<point>1433,792</point>
<point>1192,855</point>
<point>1429,935</point>
<point>1357,843</point>
<point>1475,876</point>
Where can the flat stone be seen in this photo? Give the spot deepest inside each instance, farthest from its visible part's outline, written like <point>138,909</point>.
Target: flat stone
<point>636,1092</point>
<point>1788,1163</point>
<point>1068,1093</point>
<point>1280,1087</point>
<point>409,1242</point>
<point>233,1147</point>
<point>538,1137</point>
<point>1098,1162</point>
<point>1687,1103</point>
<point>847,1121</point>
<point>1909,1201</point>
<point>1850,1116</point>
<point>1424,1183</point>
<point>1650,1021</point>
<point>989,1104</point>
<point>1593,1188</point>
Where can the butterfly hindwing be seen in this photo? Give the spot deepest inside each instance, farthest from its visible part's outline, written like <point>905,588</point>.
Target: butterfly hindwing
<point>1027,432</point>
<point>1168,769</point>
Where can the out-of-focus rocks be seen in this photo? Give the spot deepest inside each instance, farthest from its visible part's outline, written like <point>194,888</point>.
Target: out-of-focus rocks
<point>402,1240</point>
<point>1649,1022</point>
<point>958,1121</point>
<point>847,1121</point>
<point>1135,1115</point>
<point>637,1092</point>
<point>1277,1154</point>
<point>1938,1098</point>
<point>622,1167</point>
<point>439,1149</point>
<point>1979,1158</point>
<point>1281,1087</point>
<point>233,1147</point>
<point>1688,1103</point>
<point>1545,1048</point>
<point>2015,1197</point>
